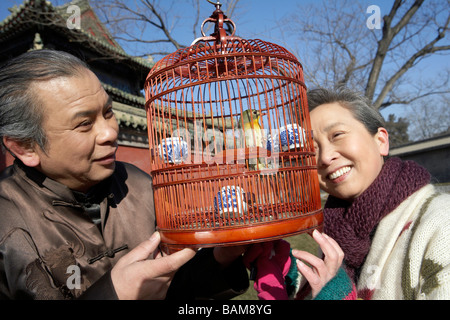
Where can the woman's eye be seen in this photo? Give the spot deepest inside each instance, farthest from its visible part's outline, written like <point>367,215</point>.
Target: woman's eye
<point>337,134</point>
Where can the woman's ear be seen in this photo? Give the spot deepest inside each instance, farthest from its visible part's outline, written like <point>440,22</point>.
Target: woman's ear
<point>382,138</point>
<point>24,152</point>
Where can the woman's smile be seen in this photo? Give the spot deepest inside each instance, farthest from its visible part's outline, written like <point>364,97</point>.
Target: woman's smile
<point>339,173</point>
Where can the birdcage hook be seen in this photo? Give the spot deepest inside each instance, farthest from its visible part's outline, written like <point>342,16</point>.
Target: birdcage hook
<point>217,3</point>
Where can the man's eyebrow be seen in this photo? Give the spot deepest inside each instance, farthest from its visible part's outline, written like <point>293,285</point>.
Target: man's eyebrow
<point>83,114</point>
<point>109,102</point>
<point>88,113</point>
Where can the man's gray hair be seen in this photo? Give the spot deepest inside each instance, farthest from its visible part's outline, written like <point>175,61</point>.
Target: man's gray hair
<point>21,115</point>
<point>354,101</point>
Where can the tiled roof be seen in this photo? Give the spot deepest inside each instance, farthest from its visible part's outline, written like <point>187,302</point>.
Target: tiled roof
<point>129,108</point>
<point>135,100</point>
<point>129,116</point>
<point>30,11</point>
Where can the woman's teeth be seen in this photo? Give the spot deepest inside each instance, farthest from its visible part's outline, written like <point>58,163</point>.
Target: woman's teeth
<point>339,173</point>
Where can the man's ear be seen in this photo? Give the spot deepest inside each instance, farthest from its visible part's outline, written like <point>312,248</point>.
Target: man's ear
<point>24,152</point>
<point>382,138</point>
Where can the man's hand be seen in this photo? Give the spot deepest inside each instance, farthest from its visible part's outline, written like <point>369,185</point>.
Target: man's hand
<point>136,277</point>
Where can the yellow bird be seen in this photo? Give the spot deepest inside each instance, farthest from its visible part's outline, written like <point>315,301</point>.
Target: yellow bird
<point>251,134</point>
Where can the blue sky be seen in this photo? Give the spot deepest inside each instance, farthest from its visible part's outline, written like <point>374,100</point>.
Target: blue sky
<point>258,19</point>
<point>259,14</point>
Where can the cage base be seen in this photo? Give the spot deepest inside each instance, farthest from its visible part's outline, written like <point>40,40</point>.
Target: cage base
<point>175,240</point>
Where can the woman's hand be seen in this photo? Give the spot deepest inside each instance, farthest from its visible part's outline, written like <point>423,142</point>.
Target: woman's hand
<point>321,271</point>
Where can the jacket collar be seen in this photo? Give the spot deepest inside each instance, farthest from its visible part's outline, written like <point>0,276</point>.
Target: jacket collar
<point>63,193</point>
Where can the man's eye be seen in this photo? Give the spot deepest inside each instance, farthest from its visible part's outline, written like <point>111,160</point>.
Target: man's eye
<point>109,113</point>
<point>85,124</point>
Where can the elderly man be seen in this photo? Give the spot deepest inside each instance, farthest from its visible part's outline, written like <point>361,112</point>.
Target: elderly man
<point>76,223</point>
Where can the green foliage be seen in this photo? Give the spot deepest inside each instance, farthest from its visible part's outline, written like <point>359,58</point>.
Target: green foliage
<point>398,130</point>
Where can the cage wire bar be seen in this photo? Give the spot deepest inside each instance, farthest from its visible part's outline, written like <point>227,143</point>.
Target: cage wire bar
<point>230,140</point>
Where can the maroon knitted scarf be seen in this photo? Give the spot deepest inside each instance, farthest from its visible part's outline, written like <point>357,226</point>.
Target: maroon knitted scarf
<point>352,224</point>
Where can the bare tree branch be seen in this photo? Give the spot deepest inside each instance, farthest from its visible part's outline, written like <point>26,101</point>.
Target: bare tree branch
<point>156,20</point>
<point>161,25</point>
<point>409,101</point>
<point>343,53</point>
<point>383,45</point>
<point>426,50</point>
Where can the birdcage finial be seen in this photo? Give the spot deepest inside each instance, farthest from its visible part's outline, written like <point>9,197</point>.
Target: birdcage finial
<point>220,20</point>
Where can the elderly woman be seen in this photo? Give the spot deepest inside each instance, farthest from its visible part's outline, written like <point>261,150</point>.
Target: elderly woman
<point>392,225</point>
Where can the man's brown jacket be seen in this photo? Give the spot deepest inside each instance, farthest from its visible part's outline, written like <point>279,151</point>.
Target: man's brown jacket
<point>51,249</point>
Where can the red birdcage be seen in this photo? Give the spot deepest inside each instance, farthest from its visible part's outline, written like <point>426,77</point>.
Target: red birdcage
<point>231,151</point>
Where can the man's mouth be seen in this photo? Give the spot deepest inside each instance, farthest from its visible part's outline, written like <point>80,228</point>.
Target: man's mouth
<point>108,158</point>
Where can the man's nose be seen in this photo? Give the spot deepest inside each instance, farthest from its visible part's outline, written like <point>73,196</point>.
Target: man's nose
<point>108,131</point>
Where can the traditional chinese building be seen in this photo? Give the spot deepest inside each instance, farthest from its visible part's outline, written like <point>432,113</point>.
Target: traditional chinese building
<point>75,28</point>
